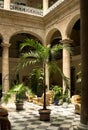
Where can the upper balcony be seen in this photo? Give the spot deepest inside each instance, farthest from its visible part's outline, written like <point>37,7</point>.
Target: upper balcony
<point>30,10</point>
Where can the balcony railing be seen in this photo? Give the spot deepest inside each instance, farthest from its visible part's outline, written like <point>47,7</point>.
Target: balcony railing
<point>54,5</point>
<point>22,8</point>
<point>26,9</point>
<point>31,10</point>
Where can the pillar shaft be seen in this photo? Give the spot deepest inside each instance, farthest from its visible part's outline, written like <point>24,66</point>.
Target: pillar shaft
<point>7,4</point>
<point>5,67</point>
<point>45,5</point>
<point>66,65</point>
<point>84,53</point>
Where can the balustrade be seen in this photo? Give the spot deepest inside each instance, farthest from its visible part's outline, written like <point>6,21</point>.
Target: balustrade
<point>28,9</point>
<point>54,5</point>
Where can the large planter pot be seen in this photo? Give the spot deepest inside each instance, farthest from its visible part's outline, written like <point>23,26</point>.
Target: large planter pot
<point>19,106</point>
<point>44,114</point>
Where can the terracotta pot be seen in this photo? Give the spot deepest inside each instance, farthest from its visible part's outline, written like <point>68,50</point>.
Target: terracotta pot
<point>19,106</point>
<point>44,114</point>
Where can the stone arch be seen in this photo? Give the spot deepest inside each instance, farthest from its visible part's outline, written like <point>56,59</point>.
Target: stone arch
<point>27,32</point>
<point>14,54</point>
<point>51,34</point>
<point>20,37</point>
<point>75,57</point>
<point>53,37</point>
<point>71,24</point>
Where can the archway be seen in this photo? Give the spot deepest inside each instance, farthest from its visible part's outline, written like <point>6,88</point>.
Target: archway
<point>75,57</point>
<point>55,77</point>
<point>14,54</point>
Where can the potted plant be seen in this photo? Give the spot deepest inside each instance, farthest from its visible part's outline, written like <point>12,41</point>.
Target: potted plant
<point>18,90</point>
<point>45,56</point>
<point>57,91</point>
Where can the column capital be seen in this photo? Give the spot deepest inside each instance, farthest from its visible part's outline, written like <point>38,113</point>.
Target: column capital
<point>66,41</point>
<point>5,44</point>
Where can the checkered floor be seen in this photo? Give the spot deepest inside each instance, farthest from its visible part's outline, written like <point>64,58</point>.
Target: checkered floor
<point>28,119</point>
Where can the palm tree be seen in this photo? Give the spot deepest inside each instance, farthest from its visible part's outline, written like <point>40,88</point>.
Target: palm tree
<point>41,54</point>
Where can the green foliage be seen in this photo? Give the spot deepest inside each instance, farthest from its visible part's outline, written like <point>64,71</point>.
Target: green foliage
<point>65,97</point>
<point>40,6</point>
<point>57,90</point>
<point>40,54</point>
<point>18,90</point>
<point>36,80</point>
<point>79,75</point>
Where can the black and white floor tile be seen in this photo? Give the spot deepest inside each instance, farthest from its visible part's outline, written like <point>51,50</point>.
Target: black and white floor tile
<point>28,119</point>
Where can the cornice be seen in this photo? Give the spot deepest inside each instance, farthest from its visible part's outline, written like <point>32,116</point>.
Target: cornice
<point>27,19</point>
<point>15,16</point>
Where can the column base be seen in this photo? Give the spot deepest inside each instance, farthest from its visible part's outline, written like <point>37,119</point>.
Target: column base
<point>82,126</point>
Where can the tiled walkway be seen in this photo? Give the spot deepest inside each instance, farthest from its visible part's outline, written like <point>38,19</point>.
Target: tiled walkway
<point>28,119</point>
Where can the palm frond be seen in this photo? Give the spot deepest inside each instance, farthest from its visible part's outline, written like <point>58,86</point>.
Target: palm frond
<point>53,68</point>
<point>30,55</point>
<point>56,48</point>
<point>32,43</point>
<point>24,62</point>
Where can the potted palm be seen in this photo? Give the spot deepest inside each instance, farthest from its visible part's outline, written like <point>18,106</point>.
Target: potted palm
<point>44,55</point>
<point>17,90</point>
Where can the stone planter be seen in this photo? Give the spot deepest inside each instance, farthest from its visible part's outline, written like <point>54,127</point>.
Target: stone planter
<point>44,114</point>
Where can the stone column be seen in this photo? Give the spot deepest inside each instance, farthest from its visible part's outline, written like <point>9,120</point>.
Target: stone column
<point>66,64</point>
<point>7,4</point>
<point>84,59</point>
<point>5,67</point>
<point>45,6</point>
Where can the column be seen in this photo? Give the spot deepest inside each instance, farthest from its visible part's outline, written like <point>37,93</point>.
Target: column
<point>45,6</point>
<point>7,4</point>
<point>84,61</point>
<point>5,67</point>
<point>66,65</point>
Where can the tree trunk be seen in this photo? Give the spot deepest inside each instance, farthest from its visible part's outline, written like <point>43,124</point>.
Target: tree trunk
<point>44,86</point>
